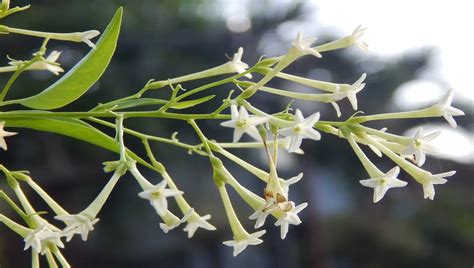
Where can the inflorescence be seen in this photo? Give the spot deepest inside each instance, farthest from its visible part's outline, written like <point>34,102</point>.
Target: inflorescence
<point>283,130</point>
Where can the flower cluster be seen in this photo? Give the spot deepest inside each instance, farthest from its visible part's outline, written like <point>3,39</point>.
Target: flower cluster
<point>288,129</point>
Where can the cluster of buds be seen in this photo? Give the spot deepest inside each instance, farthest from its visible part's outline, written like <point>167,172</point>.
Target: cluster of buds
<point>270,132</point>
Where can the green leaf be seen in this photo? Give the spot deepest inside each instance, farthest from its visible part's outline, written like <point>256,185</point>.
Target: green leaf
<point>191,103</point>
<point>74,128</point>
<point>82,76</point>
<point>130,104</point>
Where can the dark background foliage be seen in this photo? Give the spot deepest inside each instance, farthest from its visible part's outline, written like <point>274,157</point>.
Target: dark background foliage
<point>161,39</point>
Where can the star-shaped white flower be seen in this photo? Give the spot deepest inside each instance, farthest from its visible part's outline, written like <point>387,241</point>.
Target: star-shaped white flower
<point>260,214</point>
<point>431,179</point>
<point>157,196</point>
<point>48,64</point>
<point>4,134</point>
<point>356,37</point>
<point>237,65</point>
<point>195,221</point>
<point>242,123</point>
<point>382,184</point>
<point>301,129</point>
<point>39,239</point>
<point>241,244</point>
<point>447,110</point>
<point>349,93</point>
<point>303,45</point>
<point>290,217</point>
<point>77,224</point>
<point>87,36</point>
<point>420,146</point>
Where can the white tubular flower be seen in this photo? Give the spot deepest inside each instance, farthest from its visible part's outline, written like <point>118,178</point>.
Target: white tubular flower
<point>39,239</point>
<point>349,93</point>
<point>243,123</point>
<point>241,244</point>
<point>4,134</point>
<point>195,221</point>
<point>356,36</point>
<point>302,128</point>
<point>260,214</point>
<point>419,146</point>
<point>290,217</point>
<point>446,110</point>
<point>303,45</point>
<point>428,181</point>
<point>157,196</point>
<point>382,184</point>
<point>48,64</point>
<point>236,64</point>
<point>87,36</point>
<point>77,224</point>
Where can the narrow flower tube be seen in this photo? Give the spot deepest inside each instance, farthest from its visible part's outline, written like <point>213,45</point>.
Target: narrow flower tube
<point>300,47</point>
<point>73,37</point>
<point>235,65</point>
<point>94,208</point>
<point>242,239</point>
<point>425,178</point>
<point>354,39</point>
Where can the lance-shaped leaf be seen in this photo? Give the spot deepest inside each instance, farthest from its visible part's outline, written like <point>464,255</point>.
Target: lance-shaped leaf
<point>191,103</point>
<point>82,76</point>
<point>126,104</point>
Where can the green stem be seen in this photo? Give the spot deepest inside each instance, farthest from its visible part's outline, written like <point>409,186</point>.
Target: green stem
<point>201,136</point>
<point>149,137</point>
<point>151,114</point>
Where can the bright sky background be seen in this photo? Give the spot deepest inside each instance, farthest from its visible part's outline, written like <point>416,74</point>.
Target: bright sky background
<point>394,28</point>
